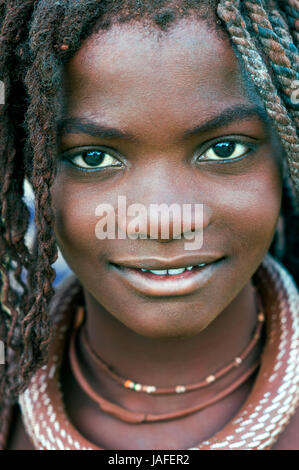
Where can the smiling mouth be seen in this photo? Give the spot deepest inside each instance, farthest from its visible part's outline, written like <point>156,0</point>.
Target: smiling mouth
<point>167,281</point>
<point>162,274</point>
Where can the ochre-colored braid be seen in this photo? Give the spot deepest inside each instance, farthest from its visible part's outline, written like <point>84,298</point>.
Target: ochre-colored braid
<point>42,79</point>
<point>14,216</point>
<point>280,22</point>
<point>276,48</point>
<point>14,213</point>
<point>280,27</point>
<point>229,12</point>
<point>14,254</point>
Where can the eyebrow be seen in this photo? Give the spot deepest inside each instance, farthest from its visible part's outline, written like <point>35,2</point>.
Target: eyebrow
<point>77,125</point>
<point>228,116</point>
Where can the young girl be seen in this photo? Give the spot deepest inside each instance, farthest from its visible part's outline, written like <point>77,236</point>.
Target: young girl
<point>150,344</point>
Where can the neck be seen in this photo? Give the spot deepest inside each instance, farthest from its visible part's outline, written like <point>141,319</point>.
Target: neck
<point>162,362</point>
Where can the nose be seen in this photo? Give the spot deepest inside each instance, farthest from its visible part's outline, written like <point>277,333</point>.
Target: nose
<point>165,212</point>
<point>163,222</point>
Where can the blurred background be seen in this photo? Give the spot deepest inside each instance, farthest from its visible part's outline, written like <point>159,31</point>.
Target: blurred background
<point>61,267</point>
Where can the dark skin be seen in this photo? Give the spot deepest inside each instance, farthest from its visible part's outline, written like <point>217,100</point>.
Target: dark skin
<point>158,87</point>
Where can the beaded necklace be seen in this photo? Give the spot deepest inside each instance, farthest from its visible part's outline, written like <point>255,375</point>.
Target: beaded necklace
<point>258,424</point>
<point>134,417</point>
<point>152,389</point>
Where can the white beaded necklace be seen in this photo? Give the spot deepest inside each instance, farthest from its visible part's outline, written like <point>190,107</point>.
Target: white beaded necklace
<point>258,424</point>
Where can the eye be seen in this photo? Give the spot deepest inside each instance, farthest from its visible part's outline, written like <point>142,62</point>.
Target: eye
<point>226,150</point>
<point>92,160</point>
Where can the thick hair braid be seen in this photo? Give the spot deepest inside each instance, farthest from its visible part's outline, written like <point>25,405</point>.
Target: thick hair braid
<point>278,51</point>
<point>14,255</point>
<point>43,78</point>
<point>280,22</point>
<point>13,224</point>
<point>229,12</point>
<point>14,212</point>
<point>291,9</point>
<point>280,27</point>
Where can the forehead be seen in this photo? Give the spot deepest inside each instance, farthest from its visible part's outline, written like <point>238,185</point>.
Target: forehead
<point>190,66</point>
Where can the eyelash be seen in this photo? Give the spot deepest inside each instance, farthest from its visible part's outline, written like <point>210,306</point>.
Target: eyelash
<point>248,145</point>
<point>70,159</point>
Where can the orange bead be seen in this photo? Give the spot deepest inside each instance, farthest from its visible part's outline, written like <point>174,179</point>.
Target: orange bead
<point>261,317</point>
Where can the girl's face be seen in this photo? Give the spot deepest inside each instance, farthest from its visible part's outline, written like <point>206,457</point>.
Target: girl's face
<point>164,117</point>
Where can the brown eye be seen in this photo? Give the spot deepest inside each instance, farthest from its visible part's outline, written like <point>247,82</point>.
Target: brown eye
<point>93,159</point>
<point>224,149</point>
<point>227,150</point>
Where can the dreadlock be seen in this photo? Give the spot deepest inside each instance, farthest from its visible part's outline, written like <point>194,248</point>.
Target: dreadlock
<point>37,38</point>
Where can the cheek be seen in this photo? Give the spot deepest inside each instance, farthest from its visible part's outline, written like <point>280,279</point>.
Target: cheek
<point>74,210</point>
<point>250,211</point>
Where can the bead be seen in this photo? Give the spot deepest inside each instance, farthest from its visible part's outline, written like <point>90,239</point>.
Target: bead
<point>150,389</point>
<point>129,384</point>
<point>180,389</point>
<point>64,47</point>
<point>261,317</point>
<point>238,361</point>
<point>210,379</point>
<point>138,387</point>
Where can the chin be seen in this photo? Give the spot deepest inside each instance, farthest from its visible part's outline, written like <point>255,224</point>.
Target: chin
<point>176,326</point>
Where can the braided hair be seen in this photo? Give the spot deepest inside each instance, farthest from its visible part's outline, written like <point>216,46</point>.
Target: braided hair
<point>37,39</point>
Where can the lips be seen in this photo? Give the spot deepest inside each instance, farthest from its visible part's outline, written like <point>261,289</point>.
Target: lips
<point>156,263</point>
<point>157,277</point>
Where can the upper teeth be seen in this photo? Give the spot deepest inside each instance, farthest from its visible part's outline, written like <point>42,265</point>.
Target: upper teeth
<point>163,272</point>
